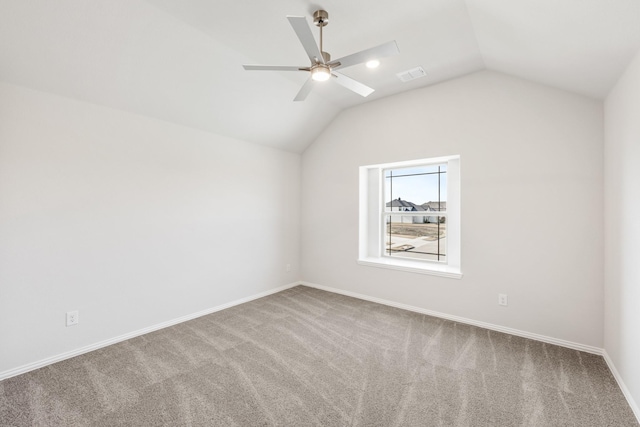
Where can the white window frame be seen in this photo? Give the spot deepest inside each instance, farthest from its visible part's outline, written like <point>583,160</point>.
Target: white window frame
<point>372,216</point>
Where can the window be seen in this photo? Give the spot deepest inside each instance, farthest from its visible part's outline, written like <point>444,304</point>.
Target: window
<point>410,216</point>
<point>414,212</point>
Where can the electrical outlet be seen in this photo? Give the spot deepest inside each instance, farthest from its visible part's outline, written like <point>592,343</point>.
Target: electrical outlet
<point>502,299</point>
<point>288,268</point>
<point>72,318</point>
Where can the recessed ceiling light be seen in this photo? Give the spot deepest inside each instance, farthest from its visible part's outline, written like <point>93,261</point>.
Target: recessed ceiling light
<point>373,63</point>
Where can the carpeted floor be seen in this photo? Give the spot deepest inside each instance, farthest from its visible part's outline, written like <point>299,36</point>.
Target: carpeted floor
<point>305,357</point>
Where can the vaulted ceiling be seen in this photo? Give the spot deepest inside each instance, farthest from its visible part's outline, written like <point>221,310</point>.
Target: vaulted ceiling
<point>181,61</point>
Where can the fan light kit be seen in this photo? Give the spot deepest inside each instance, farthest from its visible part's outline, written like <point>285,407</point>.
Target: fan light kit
<point>320,72</point>
<point>322,68</point>
<point>374,63</point>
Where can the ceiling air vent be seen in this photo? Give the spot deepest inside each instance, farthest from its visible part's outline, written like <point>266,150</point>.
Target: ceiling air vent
<point>411,74</point>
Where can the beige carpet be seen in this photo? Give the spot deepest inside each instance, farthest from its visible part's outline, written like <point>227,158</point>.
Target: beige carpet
<point>305,357</point>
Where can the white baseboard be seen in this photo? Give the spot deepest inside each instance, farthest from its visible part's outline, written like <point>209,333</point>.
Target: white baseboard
<point>498,328</point>
<point>627,394</point>
<point>69,354</point>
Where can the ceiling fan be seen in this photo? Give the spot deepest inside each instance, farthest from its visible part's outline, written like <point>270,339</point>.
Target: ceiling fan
<point>322,68</point>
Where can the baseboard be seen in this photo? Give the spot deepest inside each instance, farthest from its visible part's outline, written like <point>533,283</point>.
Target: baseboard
<point>69,354</point>
<point>627,394</point>
<point>498,328</point>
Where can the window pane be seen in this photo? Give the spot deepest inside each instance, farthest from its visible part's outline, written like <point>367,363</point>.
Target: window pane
<point>416,189</point>
<point>416,236</point>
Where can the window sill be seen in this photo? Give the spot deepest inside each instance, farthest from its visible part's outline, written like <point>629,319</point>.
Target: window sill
<point>413,267</point>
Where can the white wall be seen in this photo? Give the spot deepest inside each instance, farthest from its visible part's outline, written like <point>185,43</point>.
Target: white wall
<point>532,195</point>
<point>132,221</point>
<point>622,228</point>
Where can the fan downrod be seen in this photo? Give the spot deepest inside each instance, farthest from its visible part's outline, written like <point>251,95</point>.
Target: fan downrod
<point>321,19</point>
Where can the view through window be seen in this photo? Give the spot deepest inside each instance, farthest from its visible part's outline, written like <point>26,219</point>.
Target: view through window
<point>415,212</point>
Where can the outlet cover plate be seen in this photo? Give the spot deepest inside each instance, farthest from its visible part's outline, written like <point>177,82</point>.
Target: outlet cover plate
<point>72,318</point>
<point>502,299</point>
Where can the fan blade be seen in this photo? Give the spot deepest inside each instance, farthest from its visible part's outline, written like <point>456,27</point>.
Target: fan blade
<point>353,85</point>
<point>303,31</point>
<point>386,49</point>
<point>275,67</point>
<point>304,90</point>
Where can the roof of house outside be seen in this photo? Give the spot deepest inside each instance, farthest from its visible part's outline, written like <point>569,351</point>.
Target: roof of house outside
<point>396,203</point>
<point>435,206</point>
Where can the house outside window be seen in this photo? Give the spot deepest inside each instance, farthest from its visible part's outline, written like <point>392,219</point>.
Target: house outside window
<point>410,216</point>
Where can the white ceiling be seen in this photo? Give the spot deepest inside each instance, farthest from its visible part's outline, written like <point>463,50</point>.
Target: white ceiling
<point>181,61</point>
